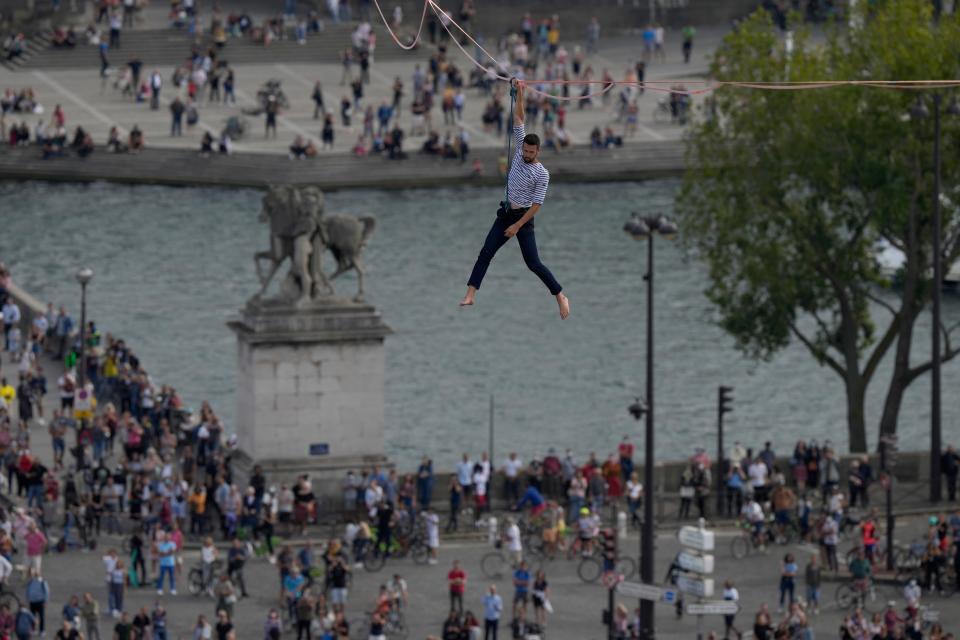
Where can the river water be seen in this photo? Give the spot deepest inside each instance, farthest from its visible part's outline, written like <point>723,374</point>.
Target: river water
<point>173,264</point>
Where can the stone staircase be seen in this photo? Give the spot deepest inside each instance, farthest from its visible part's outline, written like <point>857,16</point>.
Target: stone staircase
<point>166,47</point>
<point>36,44</point>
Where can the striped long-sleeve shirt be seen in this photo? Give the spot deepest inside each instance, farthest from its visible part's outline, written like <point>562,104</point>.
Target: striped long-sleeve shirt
<point>526,183</point>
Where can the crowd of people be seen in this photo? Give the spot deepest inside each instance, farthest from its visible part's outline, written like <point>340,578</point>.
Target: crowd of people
<point>533,49</point>
<point>135,462</point>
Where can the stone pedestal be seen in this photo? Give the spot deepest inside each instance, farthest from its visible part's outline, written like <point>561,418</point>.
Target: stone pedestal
<point>309,389</point>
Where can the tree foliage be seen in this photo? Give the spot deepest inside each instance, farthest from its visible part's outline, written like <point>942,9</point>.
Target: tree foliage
<point>788,192</point>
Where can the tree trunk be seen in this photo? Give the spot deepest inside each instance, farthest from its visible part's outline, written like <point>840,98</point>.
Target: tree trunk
<point>898,382</point>
<point>909,309</point>
<point>856,422</point>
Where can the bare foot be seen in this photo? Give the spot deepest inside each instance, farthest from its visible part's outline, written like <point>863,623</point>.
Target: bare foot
<point>467,301</point>
<point>564,304</point>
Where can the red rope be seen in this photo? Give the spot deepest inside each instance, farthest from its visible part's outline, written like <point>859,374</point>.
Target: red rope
<point>653,85</point>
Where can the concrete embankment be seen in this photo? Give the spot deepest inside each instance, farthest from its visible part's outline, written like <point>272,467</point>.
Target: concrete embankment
<point>335,171</point>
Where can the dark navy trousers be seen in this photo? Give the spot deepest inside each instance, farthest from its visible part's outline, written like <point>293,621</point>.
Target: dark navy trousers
<point>528,248</point>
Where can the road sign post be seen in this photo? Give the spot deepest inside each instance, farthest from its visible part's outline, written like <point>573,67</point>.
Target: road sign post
<point>640,591</point>
<point>698,564</point>
<point>713,608</point>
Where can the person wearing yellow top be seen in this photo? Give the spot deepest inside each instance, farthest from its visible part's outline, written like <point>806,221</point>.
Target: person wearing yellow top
<point>553,37</point>
<point>197,503</point>
<point>7,392</point>
<point>110,367</point>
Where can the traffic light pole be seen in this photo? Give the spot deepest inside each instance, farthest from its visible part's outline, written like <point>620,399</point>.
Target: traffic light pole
<point>723,406</point>
<point>611,634</point>
<point>609,558</point>
<point>721,485</point>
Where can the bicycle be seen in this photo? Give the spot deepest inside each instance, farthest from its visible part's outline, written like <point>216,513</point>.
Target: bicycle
<point>879,554</point>
<point>394,626</point>
<point>494,564</point>
<point>257,547</point>
<point>872,598</point>
<point>663,112</point>
<point>195,582</point>
<point>909,561</point>
<point>746,542</point>
<point>591,568</point>
<point>783,533</point>
<point>9,599</point>
<point>375,554</point>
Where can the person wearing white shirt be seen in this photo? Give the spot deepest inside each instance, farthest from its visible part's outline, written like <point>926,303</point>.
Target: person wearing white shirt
<point>485,466</point>
<point>511,472</point>
<point>730,593</point>
<point>658,43</point>
<point>737,453</point>
<point>465,475</point>
<point>752,512</point>
<point>634,495</point>
<point>6,568</point>
<point>40,326</point>
<point>514,543</point>
<point>372,497</point>
<point>835,503</point>
<point>912,593</point>
<point>208,554</point>
<point>110,563</point>
<point>432,521</point>
<point>479,491</point>
<point>11,317</point>
<point>129,7</point>
<point>40,132</point>
<point>757,471</point>
<point>350,534</point>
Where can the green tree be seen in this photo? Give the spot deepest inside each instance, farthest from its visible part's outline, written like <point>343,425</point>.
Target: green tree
<point>788,193</point>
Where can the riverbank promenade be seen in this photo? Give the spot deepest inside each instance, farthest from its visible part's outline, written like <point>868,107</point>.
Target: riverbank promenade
<point>650,137</point>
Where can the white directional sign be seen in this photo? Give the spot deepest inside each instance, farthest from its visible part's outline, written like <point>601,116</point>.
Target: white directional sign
<point>695,562</point>
<point>640,590</point>
<point>715,608</point>
<point>930,615</point>
<point>702,587</point>
<point>696,538</point>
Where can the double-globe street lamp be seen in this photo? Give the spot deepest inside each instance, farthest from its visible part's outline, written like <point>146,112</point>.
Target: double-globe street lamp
<point>83,277</point>
<point>640,228</point>
<point>919,111</point>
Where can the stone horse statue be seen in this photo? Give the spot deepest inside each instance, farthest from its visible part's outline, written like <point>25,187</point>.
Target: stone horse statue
<point>301,232</point>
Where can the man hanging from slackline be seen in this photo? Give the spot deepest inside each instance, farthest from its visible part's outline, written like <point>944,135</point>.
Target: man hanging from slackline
<point>526,189</point>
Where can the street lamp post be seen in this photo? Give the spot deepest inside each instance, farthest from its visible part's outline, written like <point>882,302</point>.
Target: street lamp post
<point>83,277</point>
<point>639,228</point>
<point>919,112</point>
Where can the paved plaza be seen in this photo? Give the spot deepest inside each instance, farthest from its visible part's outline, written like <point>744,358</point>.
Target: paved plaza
<point>577,605</point>
<point>94,103</point>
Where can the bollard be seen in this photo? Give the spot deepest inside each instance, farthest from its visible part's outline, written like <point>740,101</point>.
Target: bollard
<point>492,530</point>
<point>622,525</point>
